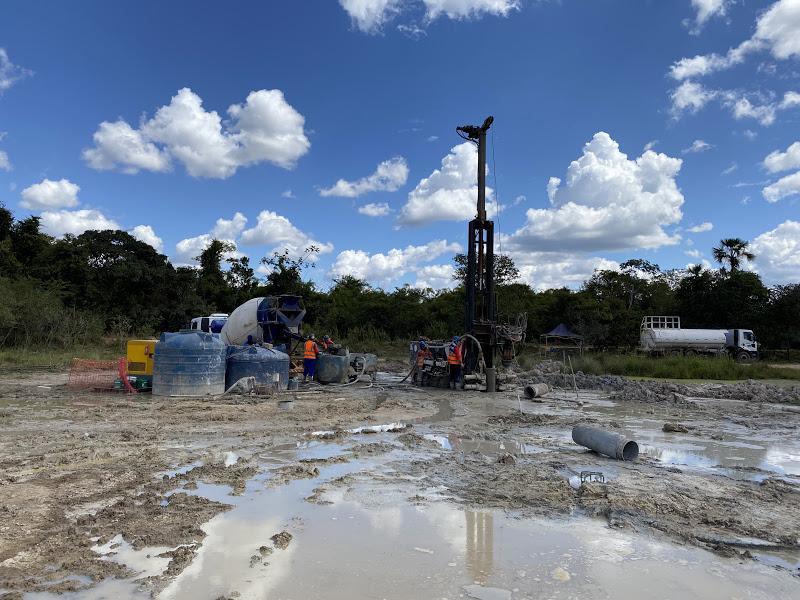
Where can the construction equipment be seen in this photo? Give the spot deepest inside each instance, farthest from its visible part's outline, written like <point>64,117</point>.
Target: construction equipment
<point>210,324</point>
<point>662,335</point>
<point>484,337</point>
<point>139,361</point>
<point>273,320</point>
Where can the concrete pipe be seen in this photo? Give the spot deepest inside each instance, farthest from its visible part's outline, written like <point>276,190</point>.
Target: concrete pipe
<point>605,442</point>
<point>536,390</point>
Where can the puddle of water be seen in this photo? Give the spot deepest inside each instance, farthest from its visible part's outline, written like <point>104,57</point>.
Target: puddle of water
<point>444,412</point>
<point>488,447</point>
<point>395,427</point>
<point>735,454</point>
<point>374,543</point>
<point>179,470</point>
<point>144,562</point>
<point>370,539</point>
<point>108,589</point>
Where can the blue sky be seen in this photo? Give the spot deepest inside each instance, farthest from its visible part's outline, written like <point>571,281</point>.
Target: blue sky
<point>163,118</point>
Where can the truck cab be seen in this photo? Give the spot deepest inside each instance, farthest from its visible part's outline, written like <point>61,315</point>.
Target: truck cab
<point>742,344</point>
<point>210,324</point>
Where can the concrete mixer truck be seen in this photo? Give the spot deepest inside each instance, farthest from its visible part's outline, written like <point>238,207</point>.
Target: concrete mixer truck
<point>661,336</point>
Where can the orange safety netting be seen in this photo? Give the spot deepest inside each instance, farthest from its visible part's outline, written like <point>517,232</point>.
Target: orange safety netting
<point>97,375</point>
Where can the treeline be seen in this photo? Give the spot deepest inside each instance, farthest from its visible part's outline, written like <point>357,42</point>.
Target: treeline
<point>71,291</point>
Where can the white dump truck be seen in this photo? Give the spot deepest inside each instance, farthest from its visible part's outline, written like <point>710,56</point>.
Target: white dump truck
<point>664,336</point>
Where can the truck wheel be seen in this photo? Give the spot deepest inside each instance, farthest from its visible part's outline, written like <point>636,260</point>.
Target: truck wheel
<point>675,353</point>
<point>743,357</point>
<point>691,353</point>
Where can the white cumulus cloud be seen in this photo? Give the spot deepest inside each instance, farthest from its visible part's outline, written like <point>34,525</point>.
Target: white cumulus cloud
<point>265,128</point>
<point>49,194</point>
<point>380,209</point>
<point>5,162</point>
<point>229,229</point>
<point>552,270</point>
<point>785,186</point>
<point>389,176</point>
<point>690,97</point>
<point>118,145</point>
<point>370,15</point>
<point>60,222</point>
<point>468,9</point>
<point>9,72</point>
<point>146,234</point>
<point>777,30</point>
<point>697,147</point>
<point>608,202</point>
<point>778,253</point>
<point>278,232</point>
<point>706,226</point>
<point>449,193</point>
<point>437,277</point>
<point>226,230</point>
<point>706,9</point>
<point>383,268</point>
<point>783,161</point>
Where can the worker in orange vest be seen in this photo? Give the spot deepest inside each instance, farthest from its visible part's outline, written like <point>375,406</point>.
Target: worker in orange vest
<point>310,353</point>
<point>422,354</point>
<point>454,362</point>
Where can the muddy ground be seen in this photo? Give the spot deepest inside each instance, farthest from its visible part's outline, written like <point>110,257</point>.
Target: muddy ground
<point>86,477</point>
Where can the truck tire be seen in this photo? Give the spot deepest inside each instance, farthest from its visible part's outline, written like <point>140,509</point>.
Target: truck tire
<point>743,357</point>
<point>690,353</point>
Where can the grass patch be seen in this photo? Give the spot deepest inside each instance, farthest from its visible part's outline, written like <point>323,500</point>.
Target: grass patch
<point>55,359</point>
<point>678,367</point>
<point>387,349</point>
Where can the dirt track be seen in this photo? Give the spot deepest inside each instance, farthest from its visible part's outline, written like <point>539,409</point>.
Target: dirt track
<point>79,470</point>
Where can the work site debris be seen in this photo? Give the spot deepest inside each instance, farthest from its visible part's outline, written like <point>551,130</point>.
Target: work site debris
<point>553,374</point>
<point>536,390</point>
<point>674,428</point>
<point>282,540</point>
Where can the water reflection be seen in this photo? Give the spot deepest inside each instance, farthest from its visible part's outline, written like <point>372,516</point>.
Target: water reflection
<point>480,544</point>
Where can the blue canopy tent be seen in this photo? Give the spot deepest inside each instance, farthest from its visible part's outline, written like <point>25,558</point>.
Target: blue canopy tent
<point>561,337</point>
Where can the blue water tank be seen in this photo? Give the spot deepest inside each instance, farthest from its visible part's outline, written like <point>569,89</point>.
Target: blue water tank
<point>270,367</point>
<point>189,363</point>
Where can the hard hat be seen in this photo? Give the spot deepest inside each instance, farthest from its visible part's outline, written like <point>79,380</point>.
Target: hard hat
<point>325,337</point>
<point>313,337</point>
<point>456,338</point>
<point>423,345</point>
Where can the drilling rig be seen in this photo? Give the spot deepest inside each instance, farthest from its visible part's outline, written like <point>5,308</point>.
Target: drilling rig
<point>480,306</point>
<point>480,313</point>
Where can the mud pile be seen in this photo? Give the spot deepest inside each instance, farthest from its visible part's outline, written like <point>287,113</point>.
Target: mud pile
<point>551,373</point>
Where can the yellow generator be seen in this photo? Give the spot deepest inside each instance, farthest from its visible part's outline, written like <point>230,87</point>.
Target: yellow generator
<point>140,363</point>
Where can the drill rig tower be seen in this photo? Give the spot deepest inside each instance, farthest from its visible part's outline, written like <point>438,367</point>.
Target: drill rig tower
<point>481,312</point>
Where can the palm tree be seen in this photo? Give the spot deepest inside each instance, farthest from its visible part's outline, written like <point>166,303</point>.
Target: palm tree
<point>731,251</point>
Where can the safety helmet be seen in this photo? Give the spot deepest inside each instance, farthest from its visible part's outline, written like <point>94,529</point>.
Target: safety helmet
<point>423,345</point>
<point>313,337</point>
<point>325,337</point>
<point>456,338</point>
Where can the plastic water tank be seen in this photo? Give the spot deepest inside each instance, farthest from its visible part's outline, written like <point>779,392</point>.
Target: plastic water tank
<point>189,363</point>
<point>332,368</point>
<point>269,366</point>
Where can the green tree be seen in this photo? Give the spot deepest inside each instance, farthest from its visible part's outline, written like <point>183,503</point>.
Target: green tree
<point>286,272</point>
<point>505,271</point>
<point>212,284</point>
<point>731,252</point>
